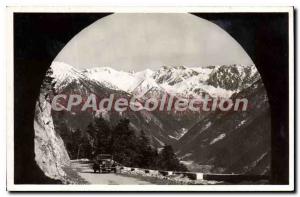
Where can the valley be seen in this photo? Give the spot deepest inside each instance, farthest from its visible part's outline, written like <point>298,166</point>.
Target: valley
<point>212,141</point>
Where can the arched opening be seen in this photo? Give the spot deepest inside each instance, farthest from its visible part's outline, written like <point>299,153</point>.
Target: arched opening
<point>36,93</point>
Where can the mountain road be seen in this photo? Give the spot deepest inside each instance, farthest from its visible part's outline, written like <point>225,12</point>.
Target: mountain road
<point>85,171</point>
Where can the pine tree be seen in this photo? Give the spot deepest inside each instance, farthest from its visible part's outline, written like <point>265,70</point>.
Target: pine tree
<point>91,131</point>
<point>168,160</point>
<point>81,146</point>
<point>77,143</point>
<point>126,147</point>
<point>124,144</point>
<point>144,139</point>
<point>103,135</point>
<point>147,155</point>
<point>48,84</point>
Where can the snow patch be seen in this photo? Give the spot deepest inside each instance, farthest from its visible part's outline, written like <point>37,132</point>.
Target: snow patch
<point>160,142</point>
<point>186,155</point>
<point>207,125</point>
<point>181,81</point>
<point>120,79</point>
<point>179,134</point>
<point>241,123</point>
<point>220,137</point>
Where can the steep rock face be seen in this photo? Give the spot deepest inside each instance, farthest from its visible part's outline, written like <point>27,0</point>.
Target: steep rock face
<point>227,142</point>
<point>50,152</point>
<point>233,77</point>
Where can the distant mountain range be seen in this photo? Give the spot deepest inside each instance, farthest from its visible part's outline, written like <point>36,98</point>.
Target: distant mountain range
<point>217,81</point>
<point>214,141</point>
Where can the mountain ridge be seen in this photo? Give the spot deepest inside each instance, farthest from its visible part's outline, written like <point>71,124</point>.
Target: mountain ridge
<point>180,80</point>
<point>183,131</point>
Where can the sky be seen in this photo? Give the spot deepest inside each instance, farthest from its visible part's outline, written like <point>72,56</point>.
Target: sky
<point>135,42</point>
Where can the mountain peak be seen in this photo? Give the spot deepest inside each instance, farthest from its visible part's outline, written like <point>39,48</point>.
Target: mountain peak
<point>61,67</point>
<point>64,73</point>
<point>217,81</point>
<point>180,67</point>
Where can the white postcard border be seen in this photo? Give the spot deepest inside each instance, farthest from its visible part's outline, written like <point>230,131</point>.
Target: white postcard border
<point>82,9</point>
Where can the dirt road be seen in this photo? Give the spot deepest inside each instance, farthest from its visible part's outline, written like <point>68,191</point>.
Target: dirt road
<point>86,172</point>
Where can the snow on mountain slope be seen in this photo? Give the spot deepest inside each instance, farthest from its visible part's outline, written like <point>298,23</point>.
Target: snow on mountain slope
<point>216,81</point>
<point>206,139</point>
<point>64,74</point>
<point>230,142</point>
<point>120,79</point>
<point>144,74</point>
<point>203,72</point>
<point>148,88</point>
<point>233,77</point>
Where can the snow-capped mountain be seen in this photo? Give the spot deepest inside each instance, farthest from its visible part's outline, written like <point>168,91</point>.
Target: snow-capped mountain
<point>203,139</point>
<point>216,81</point>
<point>118,79</point>
<point>182,81</point>
<point>64,74</point>
<point>233,77</point>
<point>188,82</point>
<point>69,80</point>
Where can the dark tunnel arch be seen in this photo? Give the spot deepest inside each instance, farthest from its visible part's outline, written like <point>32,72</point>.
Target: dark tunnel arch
<point>38,38</point>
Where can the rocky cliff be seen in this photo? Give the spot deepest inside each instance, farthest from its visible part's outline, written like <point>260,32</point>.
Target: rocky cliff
<point>50,152</point>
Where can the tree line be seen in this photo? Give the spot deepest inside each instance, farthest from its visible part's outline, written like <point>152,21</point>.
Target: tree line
<point>124,144</point>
